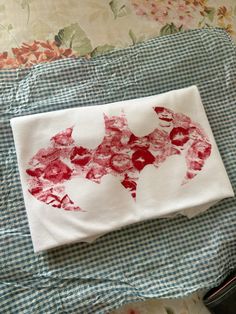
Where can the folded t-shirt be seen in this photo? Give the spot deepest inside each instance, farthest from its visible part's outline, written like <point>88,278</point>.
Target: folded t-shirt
<point>90,170</point>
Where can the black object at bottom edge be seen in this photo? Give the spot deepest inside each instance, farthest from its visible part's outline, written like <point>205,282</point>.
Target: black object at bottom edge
<point>222,299</point>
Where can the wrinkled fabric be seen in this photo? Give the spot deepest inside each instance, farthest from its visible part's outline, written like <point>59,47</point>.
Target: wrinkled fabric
<point>158,258</point>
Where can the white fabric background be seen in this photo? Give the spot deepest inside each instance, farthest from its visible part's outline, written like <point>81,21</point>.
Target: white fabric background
<point>108,205</point>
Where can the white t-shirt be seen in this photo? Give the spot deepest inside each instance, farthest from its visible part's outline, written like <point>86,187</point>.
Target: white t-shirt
<point>90,170</point>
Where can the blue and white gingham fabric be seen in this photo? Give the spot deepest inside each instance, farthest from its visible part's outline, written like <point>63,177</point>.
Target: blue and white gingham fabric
<point>158,258</point>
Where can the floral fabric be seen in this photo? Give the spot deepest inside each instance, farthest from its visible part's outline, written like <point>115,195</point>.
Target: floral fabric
<point>33,31</point>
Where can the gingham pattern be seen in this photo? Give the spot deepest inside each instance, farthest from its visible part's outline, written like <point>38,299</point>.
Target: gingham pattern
<point>158,258</point>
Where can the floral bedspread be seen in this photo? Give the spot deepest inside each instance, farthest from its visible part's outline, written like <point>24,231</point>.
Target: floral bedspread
<point>35,31</point>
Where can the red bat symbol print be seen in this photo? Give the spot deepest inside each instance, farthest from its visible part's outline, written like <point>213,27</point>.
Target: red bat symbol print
<point>121,154</point>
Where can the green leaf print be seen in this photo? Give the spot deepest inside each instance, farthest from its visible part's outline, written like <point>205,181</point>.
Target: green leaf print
<point>25,4</point>
<point>170,29</point>
<point>133,37</point>
<point>101,49</point>
<point>9,27</point>
<point>118,8</point>
<point>169,310</point>
<point>210,13</point>
<point>75,38</point>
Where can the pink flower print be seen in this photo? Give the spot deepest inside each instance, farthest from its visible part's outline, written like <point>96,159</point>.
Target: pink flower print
<point>7,62</point>
<point>40,51</point>
<point>132,311</point>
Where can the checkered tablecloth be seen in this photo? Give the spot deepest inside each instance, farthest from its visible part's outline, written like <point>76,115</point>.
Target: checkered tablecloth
<point>158,258</point>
